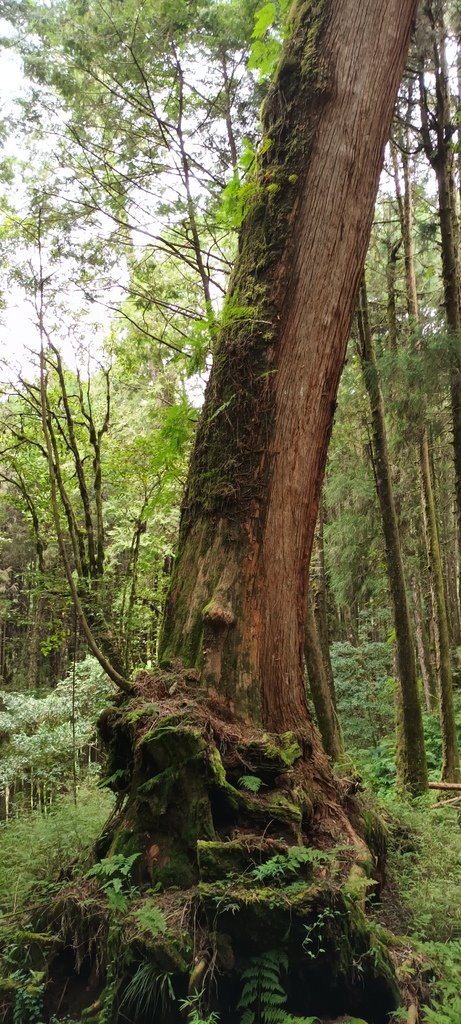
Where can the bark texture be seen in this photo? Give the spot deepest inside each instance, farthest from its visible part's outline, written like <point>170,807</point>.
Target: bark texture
<point>317,671</point>
<point>422,646</point>
<point>237,604</point>
<point>322,598</point>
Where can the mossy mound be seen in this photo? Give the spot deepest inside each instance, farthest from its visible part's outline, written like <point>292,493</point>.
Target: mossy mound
<point>234,858</point>
<point>246,845</point>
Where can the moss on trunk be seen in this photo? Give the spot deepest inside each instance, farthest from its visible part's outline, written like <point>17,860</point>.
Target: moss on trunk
<point>236,609</point>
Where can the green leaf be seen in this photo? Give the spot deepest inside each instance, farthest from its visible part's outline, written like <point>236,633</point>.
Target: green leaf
<point>264,57</point>
<point>264,18</point>
<point>151,919</point>
<point>110,867</point>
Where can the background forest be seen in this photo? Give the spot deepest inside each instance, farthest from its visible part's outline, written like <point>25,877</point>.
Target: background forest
<point>125,172</point>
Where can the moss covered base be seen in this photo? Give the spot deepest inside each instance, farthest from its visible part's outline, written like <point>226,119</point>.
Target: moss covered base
<point>227,881</point>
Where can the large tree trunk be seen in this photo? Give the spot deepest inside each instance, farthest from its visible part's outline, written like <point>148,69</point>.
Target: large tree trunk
<point>237,604</point>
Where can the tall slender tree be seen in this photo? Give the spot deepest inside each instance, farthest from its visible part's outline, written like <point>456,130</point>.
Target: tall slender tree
<point>412,757</point>
<point>438,127</point>
<point>450,765</point>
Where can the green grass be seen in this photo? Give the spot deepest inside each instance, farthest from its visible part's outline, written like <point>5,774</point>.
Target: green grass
<point>35,848</point>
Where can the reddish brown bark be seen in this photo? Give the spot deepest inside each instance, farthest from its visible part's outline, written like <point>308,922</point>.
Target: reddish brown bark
<point>237,605</point>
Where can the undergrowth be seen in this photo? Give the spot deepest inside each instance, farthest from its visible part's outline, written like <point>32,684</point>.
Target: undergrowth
<point>445,983</point>
<point>148,990</point>
<point>36,847</point>
<point>425,865</point>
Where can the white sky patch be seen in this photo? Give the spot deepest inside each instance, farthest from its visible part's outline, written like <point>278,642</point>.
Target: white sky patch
<point>11,72</point>
<point>18,331</point>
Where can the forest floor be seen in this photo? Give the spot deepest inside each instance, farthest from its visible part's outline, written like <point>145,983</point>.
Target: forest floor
<point>419,902</point>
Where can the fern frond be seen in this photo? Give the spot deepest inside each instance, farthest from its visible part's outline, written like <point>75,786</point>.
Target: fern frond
<point>263,996</point>
<point>151,919</point>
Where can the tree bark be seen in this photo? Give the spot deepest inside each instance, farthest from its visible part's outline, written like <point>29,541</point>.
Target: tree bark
<point>317,671</point>
<point>321,600</point>
<point>237,605</point>
<point>422,647</point>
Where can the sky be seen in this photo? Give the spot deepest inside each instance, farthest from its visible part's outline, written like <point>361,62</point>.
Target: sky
<point>17,331</point>
<point>19,338</point>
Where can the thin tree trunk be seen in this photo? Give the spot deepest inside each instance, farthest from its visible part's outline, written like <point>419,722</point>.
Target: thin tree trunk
<point>412,757</point>
<point>317,671</point>
<point>437,142</point>
<point>451,570</point>
<point>423,647</point>
<point>391,275</point>
<point>450,755</point>
<point>228,111</point>
<point>113,674</point>
<point>33,641</point>
<point>191,206</point>
<point>450,763</point>
<point>140,529</point>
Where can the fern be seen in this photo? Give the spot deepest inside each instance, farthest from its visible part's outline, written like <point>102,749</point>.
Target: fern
<point>263,996</point>
<point>448,1013</point>
<point>113,874</point>
<point>445,983</point>
<point>117,778</point>
<point>117,865</point>
<point>151,919</point>
<point>285,864</point>
<point>250,782</point>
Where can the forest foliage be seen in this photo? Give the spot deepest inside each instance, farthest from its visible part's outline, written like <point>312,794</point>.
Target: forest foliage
<point>126,171</point>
